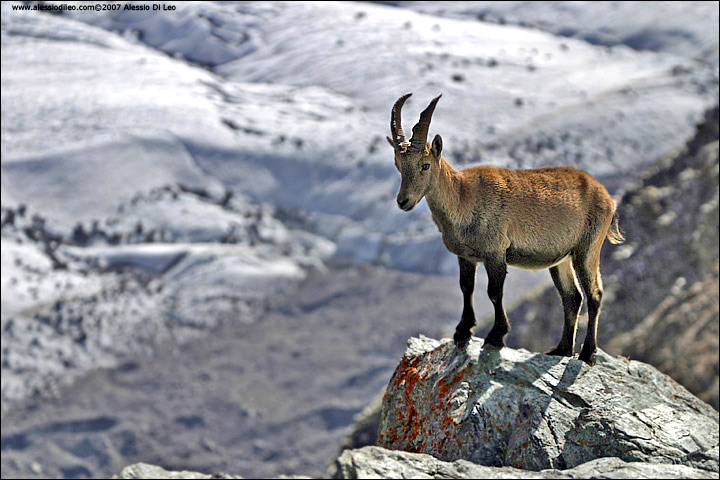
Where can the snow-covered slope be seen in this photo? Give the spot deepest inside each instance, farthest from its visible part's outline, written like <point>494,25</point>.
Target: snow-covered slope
<point>185,266</point>
<point>295,112</point>
<point>686,28</point>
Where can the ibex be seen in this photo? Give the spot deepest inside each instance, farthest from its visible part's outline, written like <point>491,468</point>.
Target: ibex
<point>554,217</point>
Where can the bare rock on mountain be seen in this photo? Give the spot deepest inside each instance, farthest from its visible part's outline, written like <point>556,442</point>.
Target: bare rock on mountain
<point>662,279</point>
<point>144,470</point>
<point>689,316</point>
<point>376,462</point>
<point>534,411</point>
<point>147,471</point>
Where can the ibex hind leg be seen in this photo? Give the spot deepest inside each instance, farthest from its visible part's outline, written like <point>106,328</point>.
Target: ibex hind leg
<point>588,272</point>
<point>563,276</point>
<point>496,271</point>
<point>463,331</point>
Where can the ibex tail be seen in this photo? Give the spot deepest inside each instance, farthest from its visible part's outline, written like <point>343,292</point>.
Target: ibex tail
<point>614,234</point>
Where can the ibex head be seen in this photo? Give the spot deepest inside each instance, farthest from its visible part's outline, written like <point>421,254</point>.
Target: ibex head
<point>417,161</point>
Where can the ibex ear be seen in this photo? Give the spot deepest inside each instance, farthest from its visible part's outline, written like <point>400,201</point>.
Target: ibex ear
<point>392,144</point>
<point>436,149</point>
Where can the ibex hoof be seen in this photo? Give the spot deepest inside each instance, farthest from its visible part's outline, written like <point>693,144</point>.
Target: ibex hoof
<point>587,357</point>
<point>560,352</point>
<point>461,339</point>
<point>494,343</point>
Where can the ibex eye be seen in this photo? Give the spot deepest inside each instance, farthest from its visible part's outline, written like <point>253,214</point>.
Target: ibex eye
<point>425,166</point>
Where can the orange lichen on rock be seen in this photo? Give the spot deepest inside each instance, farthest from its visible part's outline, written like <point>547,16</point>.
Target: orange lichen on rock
<point>417,374</point>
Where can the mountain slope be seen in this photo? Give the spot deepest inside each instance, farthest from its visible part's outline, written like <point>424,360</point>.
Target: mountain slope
<point>683,28</point>
<point>288,103</point>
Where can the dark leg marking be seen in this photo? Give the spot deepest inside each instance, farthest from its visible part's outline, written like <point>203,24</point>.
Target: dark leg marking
<point>563,276</point>
<point>589,275</point>
<point>467,285</point>
<point>496,271</point>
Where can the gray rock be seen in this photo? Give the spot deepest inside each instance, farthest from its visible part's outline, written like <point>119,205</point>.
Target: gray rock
<point>144,470</point>
<point>534,411</point>
<point>376,462</point>
<point>609,467</point>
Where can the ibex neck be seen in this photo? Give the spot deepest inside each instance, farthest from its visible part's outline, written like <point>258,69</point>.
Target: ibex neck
<point>447,195</point>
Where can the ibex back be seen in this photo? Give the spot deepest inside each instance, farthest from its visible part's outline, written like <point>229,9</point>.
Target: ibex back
<point>555,217</point>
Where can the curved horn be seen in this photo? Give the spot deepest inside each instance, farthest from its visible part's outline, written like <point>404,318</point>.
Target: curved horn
<point>420,130</point>
<point>395,123</point>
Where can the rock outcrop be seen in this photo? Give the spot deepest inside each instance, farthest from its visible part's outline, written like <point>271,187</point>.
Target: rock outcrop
<point>376,462</point>
<point>663,279</point>
<point>535,412</point>
<point>147,471</point>
<point>474,413</point>
<point>144,470</point>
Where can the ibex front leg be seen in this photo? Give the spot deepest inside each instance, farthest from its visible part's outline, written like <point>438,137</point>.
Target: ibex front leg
<point>467,285</point>
<point>496,271</point>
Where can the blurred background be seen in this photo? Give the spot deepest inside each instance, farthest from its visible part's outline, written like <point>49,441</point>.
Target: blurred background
<point>203,266</point>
